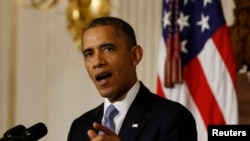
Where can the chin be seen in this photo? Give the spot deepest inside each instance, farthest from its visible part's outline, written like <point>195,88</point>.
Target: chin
<point>105,94</point>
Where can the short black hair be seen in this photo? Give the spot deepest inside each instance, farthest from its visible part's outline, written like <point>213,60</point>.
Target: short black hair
<point>122,26</point>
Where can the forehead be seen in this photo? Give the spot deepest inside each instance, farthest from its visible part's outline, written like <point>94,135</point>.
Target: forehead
<point>97,31</point>
<point>96,35</point>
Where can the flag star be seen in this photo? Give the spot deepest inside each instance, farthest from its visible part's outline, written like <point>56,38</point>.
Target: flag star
<point>166,20</point>
<point>203,22</point>
<point>183,46</point>
<point>186,1</point>
<point>206,2</point>
<point>183,21</point>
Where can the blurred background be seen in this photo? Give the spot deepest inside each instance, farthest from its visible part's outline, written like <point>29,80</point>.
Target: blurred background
<point>42,75</point>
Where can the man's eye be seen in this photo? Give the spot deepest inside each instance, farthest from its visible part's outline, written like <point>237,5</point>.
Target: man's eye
<point>87,54</point>
<point>109,48</point>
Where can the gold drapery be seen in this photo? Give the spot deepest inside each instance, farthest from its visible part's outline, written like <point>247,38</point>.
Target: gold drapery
<point>81,12</point>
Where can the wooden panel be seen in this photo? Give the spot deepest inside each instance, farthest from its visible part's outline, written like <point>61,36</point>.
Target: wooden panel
<point>243,94</point>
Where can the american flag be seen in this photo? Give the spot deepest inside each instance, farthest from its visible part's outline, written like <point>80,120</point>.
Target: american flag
<point>195,46</point>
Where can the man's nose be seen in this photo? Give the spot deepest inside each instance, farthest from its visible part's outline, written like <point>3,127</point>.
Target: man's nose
<point>99,60</point>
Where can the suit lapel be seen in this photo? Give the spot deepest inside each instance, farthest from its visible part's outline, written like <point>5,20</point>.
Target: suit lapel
<point>97,115</point>
<point>135,118</point>
<point>132,125</point>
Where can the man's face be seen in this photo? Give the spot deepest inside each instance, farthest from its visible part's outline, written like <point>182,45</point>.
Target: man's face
<point>109,61</point>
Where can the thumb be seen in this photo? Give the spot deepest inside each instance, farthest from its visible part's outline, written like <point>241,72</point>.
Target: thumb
<point>92,134</point>
<point>103,129</point>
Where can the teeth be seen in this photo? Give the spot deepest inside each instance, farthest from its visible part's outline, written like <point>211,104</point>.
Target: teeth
<point>103,76</point>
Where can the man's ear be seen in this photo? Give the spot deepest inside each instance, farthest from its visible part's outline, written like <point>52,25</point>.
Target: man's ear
<point>137,53</point>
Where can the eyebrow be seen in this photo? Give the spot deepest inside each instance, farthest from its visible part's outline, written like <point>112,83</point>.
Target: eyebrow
<point>107,44</point>
<point>86,50</point>
<point>102,45</point>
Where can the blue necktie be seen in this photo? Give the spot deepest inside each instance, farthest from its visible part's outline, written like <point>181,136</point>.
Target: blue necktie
<point>111,112</point>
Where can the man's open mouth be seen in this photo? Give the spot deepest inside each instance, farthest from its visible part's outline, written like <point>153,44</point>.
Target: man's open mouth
<point>103,76</point>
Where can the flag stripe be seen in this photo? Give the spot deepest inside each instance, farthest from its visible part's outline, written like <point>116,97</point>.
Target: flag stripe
<point>219,79</point>
<point>198,85</point>
<point>182,95</point>
<point>159,88</point>
<point>223,43</point>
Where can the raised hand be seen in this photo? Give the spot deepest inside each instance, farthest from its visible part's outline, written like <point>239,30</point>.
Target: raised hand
<point>107,135</point>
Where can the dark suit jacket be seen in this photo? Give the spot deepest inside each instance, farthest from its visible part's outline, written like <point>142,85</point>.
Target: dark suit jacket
<point>158,119</point>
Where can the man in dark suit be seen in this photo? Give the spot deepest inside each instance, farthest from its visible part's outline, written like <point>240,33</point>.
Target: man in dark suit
<point>111,55</point>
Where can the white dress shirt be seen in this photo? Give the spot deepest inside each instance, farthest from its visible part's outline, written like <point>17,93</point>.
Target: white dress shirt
<point>122,106</point>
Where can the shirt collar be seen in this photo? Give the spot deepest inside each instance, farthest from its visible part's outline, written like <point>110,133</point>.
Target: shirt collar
<point>123,105</point>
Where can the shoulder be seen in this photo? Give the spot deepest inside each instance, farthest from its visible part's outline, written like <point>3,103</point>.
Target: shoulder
<point>161,106</point>
<point>86,119</point>
<point>83,123</point>
<point>91,114</point>
<point>147,97</point>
